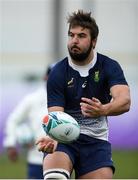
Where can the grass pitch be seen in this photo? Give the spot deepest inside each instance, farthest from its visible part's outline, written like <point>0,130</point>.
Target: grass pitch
<point>126,163</point>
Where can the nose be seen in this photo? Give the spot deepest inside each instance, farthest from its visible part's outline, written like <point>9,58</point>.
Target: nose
<point>75,40</point>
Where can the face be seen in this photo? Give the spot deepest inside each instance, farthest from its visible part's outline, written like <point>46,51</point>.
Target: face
<point>79,43</point>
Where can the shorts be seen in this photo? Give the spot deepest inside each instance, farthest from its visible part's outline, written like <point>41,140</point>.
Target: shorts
<point>88,154</point>
<point>34,171</point>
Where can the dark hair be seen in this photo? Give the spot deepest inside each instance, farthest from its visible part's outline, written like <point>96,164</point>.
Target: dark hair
<point>84,20</point>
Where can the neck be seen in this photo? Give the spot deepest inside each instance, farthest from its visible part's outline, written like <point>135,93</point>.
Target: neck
<point>86,61</point>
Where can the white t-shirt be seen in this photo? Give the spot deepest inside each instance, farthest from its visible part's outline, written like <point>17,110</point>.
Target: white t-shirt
<point>29,111</point>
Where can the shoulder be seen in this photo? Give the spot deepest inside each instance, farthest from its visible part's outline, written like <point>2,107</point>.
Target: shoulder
<point>59,69</point>
<point>112,70</point>
<point>105,60</point>
<point>61,65</point>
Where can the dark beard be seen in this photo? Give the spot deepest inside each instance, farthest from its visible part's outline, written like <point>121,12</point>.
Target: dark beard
<point>80,57</point>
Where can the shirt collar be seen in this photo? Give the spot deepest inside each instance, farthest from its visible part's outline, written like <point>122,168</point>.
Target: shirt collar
<point>83,70</point>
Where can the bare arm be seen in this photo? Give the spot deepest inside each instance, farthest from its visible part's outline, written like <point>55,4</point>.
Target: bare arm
<point>55,108</point>
<point>120,103</point>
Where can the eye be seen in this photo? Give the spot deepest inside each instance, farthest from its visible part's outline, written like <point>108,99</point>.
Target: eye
<point>70,34</point>
<point>82,35</point>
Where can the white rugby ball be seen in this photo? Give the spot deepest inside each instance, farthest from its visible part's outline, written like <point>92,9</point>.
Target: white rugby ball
<point>61,127</point>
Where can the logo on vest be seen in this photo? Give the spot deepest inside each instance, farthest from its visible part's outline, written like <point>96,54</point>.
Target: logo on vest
<point>96,76</point>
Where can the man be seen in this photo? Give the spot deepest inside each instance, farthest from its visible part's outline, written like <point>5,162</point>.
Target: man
<point>89,86</point>
<point>24,126</point>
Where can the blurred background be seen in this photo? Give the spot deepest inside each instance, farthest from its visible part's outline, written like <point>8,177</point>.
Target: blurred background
<point>33,34</point>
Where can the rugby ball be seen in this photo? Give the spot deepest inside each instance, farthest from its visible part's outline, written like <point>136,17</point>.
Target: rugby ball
<point>61,127</point>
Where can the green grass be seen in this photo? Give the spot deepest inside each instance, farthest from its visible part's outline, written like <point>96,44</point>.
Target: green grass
<point>126,163</point>
<point>12,170</point>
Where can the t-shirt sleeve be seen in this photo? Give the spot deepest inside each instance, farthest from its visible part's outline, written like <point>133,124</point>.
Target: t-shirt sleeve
<point>55,89</point>
<point>115,74</point>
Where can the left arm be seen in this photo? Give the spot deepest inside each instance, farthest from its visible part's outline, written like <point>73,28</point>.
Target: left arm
<point>119,104</point>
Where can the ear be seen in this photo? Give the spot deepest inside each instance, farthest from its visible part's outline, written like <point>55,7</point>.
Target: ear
<point>94,41</point>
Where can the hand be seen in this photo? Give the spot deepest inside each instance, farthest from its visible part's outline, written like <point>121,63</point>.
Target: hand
<point>12,153</point>
<point>91,107</point>
<point>46,144</point>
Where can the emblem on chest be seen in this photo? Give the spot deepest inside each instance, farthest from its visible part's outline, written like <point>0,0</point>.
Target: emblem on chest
<point>70,83</point>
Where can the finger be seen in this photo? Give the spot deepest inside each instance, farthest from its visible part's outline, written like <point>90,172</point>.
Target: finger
<point>86,114</point>
<point>86,107</point>
<point>90,114</point>
<point>88,111</point>
<point>40,146</point>
<point>49,148</point>
<point>39,140</point>
<point>86,100</point>
<point>43,140</point>
<point>95,100</point>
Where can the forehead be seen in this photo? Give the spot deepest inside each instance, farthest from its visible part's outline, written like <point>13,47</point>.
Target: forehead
<point>79,29</point>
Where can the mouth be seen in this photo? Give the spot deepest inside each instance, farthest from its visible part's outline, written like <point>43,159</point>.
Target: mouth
<point>75,49</point>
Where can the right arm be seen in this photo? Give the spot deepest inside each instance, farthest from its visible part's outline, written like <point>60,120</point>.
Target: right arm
<point>55,108</point>
<point>55,94</point>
